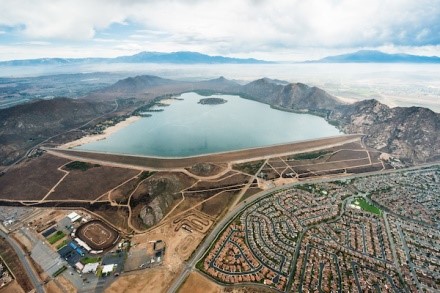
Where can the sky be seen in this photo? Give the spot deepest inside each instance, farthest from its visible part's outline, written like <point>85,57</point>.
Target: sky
<point>278,30</point>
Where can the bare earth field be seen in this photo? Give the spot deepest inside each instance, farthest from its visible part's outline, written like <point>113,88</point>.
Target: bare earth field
<point>12,287</point>
<point>90,184</point>
<point>154,280</point>
<point>179,246</point>
<point>197,283</point>
<point>24,182</point>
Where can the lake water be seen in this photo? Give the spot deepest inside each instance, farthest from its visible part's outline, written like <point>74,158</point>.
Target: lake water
<point>186,128</point>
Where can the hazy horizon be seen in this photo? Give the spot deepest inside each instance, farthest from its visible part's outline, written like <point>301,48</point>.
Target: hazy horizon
<point>391,84</point>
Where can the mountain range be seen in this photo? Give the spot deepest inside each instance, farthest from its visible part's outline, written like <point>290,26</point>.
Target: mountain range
<point>185,57</point>
<point>182,57</point>
<point>372,56</point>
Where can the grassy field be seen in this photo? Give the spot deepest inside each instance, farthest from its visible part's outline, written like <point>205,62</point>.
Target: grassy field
<point>308,156</point>
<point>366,206</point>
<point>249,167</point>
<point>62,244</point>
<point>87,260</point>
<point>77,165</point>
<point>56,237</point>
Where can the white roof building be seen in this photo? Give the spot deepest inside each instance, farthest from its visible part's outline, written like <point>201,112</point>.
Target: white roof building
<point>79,266</point>
<point>90,268</point>
<point>74,217</point>
<point>108,268</point>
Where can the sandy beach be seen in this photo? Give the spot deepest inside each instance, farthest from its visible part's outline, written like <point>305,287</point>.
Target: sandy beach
<point>107,132</point>
<point>168,101</point>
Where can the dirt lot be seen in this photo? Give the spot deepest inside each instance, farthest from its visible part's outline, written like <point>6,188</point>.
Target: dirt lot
<point>12,287</point>
<point>197,283</point>
<point>215,205</point>
<point>154,280</point>
<point>90,184</point>
<point>117,215</point>
<point>60,286</point>
<point>10,257</point>
<point>97,234</point>
<point>178,249</point>
<point>228,182</point>
<point>120,194</point>
<point>24,183</point>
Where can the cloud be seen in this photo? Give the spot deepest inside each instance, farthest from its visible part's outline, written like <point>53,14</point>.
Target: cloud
<point>230,26</point>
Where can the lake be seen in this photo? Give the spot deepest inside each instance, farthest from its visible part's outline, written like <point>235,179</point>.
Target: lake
<point>400,84</point>
<point>187,128</point>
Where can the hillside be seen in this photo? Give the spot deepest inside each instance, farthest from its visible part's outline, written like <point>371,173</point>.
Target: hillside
<point>148,87</point>
<point>25,125</point>
<point>294,96</point>
<point>408,133</point>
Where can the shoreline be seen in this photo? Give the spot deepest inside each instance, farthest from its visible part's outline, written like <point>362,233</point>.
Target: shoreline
<point>97,137</point>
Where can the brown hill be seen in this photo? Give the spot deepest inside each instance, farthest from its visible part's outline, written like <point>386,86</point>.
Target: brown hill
<point>293,96</point>
<point>26,125</point>
<point>408,133</point>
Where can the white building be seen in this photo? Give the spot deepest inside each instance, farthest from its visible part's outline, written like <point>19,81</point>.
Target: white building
<point>90,268</point>
<point>73,217</point>
<point>107,269</point>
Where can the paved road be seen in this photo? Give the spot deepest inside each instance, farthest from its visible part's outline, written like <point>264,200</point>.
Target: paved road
<point>188,267</point>
<point>26,264</point>
<point>220,225</point>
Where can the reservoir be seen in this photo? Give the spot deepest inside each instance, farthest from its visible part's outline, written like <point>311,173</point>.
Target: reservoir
<point>188,128</point>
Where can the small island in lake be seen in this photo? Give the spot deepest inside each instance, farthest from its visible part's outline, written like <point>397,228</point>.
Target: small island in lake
<point>212,101</point>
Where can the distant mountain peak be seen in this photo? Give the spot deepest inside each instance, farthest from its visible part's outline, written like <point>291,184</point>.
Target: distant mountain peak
<point>179,57</point>
<point>373,56</point>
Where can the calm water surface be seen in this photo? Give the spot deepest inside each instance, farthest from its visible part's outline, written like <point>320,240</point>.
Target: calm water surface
<point>186,128</point>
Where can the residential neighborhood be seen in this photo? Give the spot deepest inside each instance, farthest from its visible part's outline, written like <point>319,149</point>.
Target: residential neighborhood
<point>354,235</point>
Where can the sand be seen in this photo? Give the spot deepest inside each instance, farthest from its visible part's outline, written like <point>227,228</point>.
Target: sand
<point>107,132</point>
<point>168,101</point>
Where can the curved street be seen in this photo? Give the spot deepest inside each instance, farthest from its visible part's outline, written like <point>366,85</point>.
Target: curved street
<point>208,241</point>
